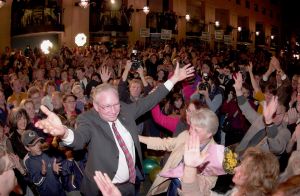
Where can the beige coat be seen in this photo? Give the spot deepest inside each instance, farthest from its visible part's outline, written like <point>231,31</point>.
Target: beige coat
<point>176,146</point>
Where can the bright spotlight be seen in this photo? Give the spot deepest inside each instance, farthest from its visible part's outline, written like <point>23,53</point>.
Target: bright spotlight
<point>257,33</point>
<point>46,45</point>
<point>80,39</point>
<point>239,29</point>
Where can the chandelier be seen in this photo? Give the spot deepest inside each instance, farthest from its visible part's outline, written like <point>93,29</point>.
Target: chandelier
<point>2,3</point>
<point>146,9</point>
<point>84,3</point>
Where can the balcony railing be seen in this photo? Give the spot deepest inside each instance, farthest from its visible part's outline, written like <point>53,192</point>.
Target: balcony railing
<point>36,20</point>
<point>109,21</point>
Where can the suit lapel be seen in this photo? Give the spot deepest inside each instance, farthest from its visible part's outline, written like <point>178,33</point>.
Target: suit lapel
<point>129,128</point>
<point>105,128</point>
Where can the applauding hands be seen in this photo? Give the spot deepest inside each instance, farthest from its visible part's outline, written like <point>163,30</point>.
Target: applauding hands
<point>105,184</point>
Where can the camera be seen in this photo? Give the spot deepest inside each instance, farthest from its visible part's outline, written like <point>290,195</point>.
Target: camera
<point>205,77</point>
<point>136,61</point>
<point>204,84</point>
<point>221,76</point>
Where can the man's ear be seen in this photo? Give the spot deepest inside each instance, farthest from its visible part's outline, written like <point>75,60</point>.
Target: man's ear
<point>26,147</point>
<point>95,107</point>
<point>210,135</point>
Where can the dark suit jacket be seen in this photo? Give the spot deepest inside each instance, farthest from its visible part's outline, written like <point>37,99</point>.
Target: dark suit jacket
<point>103,152</point>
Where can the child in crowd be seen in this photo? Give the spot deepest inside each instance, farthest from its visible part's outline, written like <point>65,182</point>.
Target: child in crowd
<point>4,140</point>
<point>73,173</point>
<point>43,170</point>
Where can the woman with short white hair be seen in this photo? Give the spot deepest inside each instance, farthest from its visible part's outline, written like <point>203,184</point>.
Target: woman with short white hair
<point>204,123</point>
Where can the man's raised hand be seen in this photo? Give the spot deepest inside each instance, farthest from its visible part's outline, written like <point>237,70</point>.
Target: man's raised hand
<point>182,73</point>
<point>52,124</point>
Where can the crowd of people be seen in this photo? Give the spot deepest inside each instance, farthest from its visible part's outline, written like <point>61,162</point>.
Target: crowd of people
<point>79,121</point>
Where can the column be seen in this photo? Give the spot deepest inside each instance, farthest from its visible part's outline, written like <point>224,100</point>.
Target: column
<point>179,7</point>
<point>210,17</point>
<point>252,28</point>
<point>233,21</point>
<point>268,34</point>
<point>5,15</point>
<point>76,20</point>
<point>138,21</point>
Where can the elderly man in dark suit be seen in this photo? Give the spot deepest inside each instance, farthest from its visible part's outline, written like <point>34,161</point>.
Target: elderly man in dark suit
<point>110,133</point>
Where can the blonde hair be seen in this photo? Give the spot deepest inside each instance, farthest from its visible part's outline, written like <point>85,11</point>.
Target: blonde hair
<point>136,81</point>
<point>25,101</point>
<point>75,87</point>
<point>64,87</point>
<point>262,169</point>
<point>47,84</point>
<point>33,90</point>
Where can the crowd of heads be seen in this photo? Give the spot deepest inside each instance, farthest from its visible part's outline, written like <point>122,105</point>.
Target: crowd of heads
<point>67,82</point>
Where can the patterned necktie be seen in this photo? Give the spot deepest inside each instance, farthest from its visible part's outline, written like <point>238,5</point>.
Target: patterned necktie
<point>128,156</point>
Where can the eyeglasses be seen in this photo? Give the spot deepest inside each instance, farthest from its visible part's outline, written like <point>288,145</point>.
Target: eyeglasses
<point>278,114</point>
<point>188,110</point>
<point>70,102</point>
<point>108,107</point>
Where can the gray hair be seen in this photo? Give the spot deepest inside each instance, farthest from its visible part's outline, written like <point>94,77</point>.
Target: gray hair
<point>206,119</point>
<point>101,88</point>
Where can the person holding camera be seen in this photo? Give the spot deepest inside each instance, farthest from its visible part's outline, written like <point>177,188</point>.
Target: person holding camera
<point>137,87</point>
<point>209,92</point>
<point>151,65</point>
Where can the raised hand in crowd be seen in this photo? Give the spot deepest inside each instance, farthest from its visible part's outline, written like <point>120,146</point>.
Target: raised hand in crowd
<point>105,184</point>
<point>271,68</point>
<point>204,92</point>
<point>292,116</point>
<point>249,67</point>
<point>238,83</point>
<point>192,155</point>
<point>254,83</point>
<point>126,70</point>
<point>105,74</point>
<point>275,63</point>
<point>56,166</point>
<point>270,109</point>
<point>141,72</point>
<point>192,158</point>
